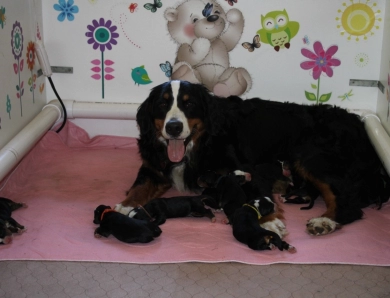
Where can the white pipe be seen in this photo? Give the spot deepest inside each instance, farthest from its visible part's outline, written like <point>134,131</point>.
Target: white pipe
<point>100,110</point>
<point>379,138</point>
<point>13,152</point>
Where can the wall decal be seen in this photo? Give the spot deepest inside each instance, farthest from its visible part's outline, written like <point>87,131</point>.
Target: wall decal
<point>203,52</point>
<point>166,68</point>
<point>133,7</point>
<point>102,36</point>
<point>277,29</point>
<point>254,45</point>
<point>358,19</point>
<point>8,105</point>
<point>231,2</point>
<point>361,59</point>
<point>67,10</point>
<point>346,95</point>
<point>17,49</point>
<point>153,6</point>
<point>140,76</point>
<point>320,61</point>
<point>41,87</point>
<point>119,15</point>
<point>93,1</point>
<point>30,64</point>
<point>2,17</point>
<point>306,40</point>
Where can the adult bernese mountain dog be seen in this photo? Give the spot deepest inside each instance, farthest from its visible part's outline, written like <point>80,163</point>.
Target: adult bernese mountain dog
<point>186,131</point>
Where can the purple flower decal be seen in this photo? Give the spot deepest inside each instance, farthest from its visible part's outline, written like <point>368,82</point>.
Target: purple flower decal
<point>320,61</point>
<point>17,40</point>
<point>102,35</point>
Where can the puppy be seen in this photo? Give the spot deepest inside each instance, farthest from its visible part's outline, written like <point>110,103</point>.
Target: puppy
<point>226,190</point>
<point>123,228</point>
<point>8,225</point>
<point>162,208</point>
<point>247,230</point>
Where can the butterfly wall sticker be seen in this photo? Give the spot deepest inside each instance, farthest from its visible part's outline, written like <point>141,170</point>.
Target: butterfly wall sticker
<point>166,68</point>
<point>231,2</point>
<point>153,7</point>
<point>254,45</point>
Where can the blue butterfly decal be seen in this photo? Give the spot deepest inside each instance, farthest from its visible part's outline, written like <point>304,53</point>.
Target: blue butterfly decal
<point>166,68</point>
<point>153,7</point>
<point>208,9</point>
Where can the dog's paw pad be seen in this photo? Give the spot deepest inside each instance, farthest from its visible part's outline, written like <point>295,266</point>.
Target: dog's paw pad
<point>24,205</point>
<point>22,230</point>
<point>272,246</point>
<point>291,249</point>
<point>321,226</point>
<point>97,235</point>
<point>213,219</point>
<point>225,221</point>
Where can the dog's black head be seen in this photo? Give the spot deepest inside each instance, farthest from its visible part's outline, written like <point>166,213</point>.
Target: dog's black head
<point>210,179</point>
<point>176,114</point>
<point>264,205</point>
<point>98,213</point>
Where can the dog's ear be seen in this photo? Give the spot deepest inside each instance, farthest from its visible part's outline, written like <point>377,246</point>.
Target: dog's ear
<point>145,111</point>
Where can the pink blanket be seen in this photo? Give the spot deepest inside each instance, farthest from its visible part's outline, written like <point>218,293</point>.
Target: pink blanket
<point>67,175</point>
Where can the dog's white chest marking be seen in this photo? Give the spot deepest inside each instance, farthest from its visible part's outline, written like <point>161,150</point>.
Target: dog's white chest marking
<point>177,177</point>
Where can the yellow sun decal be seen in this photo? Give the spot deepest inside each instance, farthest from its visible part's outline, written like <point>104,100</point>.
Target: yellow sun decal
<point>358,19</point>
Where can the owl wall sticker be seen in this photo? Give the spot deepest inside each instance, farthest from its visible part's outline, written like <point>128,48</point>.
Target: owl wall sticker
<point>277,29</point>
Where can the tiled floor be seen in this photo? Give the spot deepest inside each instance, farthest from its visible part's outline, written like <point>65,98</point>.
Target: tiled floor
<point>196,280</point>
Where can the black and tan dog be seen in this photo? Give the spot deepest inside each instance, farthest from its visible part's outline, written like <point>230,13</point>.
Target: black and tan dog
<point>8,225</point>
<point>158,210</point>
<point>247,230</point>
<point>122,227</point>
<point>226,190</point>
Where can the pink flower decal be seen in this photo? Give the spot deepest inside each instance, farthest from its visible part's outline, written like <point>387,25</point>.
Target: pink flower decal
<point>320,61</point>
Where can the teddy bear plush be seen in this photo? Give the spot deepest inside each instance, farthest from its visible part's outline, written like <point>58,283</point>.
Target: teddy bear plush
<point>206,34</point>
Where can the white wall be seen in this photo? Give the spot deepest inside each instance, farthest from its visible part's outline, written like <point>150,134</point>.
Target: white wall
<point>383,106</point>
<point>28,15</point>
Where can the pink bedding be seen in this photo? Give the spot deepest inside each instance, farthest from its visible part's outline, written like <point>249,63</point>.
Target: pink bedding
<point>67,175</point>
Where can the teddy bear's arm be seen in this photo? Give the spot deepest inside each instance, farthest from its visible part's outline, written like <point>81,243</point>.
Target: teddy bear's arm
<point>195,52</point>
<point>233,33</point>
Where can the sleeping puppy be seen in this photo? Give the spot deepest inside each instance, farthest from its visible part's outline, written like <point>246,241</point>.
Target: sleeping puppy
<point>247,230</point>
<point>226,190</point>
<point>162,208</point>
<point>8,225</point>
<point>123,228</point>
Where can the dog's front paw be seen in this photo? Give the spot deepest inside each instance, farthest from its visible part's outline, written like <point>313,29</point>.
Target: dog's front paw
<point>321,226</point>
<point>124,210</point>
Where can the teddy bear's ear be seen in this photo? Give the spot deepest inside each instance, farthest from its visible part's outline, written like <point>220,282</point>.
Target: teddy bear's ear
<point>171,14</point>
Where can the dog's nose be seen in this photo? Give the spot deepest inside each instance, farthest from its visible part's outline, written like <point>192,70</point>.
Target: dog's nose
<point>174,127</point>
<point>212,18</point>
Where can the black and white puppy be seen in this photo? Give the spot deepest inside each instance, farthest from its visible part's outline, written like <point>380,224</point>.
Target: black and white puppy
<point>247,230</point>
<point>8,225</point>
<point>122,227</point>
<point>226,189</point>
<point>160,209</point>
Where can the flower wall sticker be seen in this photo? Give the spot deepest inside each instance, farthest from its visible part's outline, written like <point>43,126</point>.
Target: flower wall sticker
<point>358,19</point>
<point>30,64</point>
<point>101,35</point>
<point>17,48</point>
<point>361,59</point>
<point>2,17</point>
<point>67,10</point>
<point>320,61</point>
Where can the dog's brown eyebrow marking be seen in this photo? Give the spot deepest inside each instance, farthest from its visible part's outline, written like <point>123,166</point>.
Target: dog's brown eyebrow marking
<point>186,97</point>
<point>166,95</point>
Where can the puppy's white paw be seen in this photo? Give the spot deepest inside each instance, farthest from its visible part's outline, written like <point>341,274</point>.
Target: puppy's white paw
<point>124,210</point>
<point>321,226</point>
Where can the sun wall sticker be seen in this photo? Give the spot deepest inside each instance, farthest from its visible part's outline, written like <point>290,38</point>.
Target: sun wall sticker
<point>2,17</point>
<point>102,36</point>
<point>321,61</point>
<point>358,19</point>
